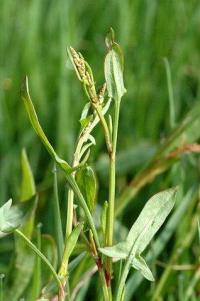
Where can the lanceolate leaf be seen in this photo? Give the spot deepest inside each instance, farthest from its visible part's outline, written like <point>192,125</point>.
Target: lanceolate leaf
<point>149,221</point>
<point>69,247</point>
<point>37,127</point>
<point>72,240</point>
<point>27,184</point>
<point>139,263</point>
<point>86,181</point>
<point>113,68</point>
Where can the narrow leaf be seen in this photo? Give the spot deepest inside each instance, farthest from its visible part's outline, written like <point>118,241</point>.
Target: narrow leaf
<point>151,219</point>
<point>69,247</point>
<point>86,181</point>
<point>72,240</point>
<point>140,264</point>
<point>28,184</point>
<point>113,68</point>
<point>37,127</point>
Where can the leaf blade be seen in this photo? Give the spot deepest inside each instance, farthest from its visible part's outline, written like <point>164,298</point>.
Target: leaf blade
<point>37,127</point>
<point>113,68</point>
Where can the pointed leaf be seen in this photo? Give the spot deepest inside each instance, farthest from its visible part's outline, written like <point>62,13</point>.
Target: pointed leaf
<point>37,127</point>
<point>86,181</point>
<point>140,264</point>
<point>28,184</point>
<point>151,219</point>
<point>72,240</point>
<point>69,247</point>
<point>113,68</point>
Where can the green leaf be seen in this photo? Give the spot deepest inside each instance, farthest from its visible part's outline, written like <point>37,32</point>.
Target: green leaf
<point>28,184</point>
<point>72,240</point>
<point>159,244</point>
<point>140,264</point>
<point>9,220</point>
<point>86,181</point>
<point>147,224</point>
<point>12,217</point>
<point>69,247</point>
<point>151,219</point>
<point>113,68</point>
<point>121,250</point>
<point>37,127</point>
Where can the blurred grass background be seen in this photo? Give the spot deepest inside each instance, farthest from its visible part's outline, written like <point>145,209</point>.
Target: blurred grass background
<point>33,39</point>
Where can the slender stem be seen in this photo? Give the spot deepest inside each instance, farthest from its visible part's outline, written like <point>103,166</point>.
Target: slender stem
<point>121,285</point>
<point>43,258</point>
<point>104,285</point>
<point>75,189</point>
<point>83,204</point>
<point>125,271</point>
<point>111,203</point>
<point>105,127</point>
<point>1,287</point>
<point>36,287</point>
<point>57,217</point>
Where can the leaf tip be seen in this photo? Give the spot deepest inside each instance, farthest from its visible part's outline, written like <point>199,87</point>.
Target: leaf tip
<point>24,86</point>
<point>110,38</point>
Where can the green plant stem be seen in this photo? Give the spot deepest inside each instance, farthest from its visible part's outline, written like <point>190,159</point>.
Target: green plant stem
<point>111,200</point>
<point>88,215</point>
<point>1,287</point>
<point>123,278</point>
<point>83,204</point>
<point>57,217</point>
<point>75,189</point>
<point>37,271</point>
<point>65,259</point>
<point>43,258</point>
<point>106,292</point>
<point>105,127</point>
